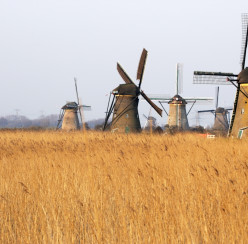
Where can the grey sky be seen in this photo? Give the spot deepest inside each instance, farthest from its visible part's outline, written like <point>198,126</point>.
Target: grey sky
<point>44,44</point>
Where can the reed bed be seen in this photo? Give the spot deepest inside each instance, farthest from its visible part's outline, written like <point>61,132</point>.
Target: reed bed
<point>58,187</point>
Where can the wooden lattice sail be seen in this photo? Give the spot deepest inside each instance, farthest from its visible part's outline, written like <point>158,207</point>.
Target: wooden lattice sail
<point>239,119</point>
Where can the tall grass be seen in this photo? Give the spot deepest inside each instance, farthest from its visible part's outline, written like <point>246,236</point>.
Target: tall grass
<point>108,188</point>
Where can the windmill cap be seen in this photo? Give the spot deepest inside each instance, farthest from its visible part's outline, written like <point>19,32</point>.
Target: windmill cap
<point>70,105</point>
<point>126,89</point>
<point>243,76</point>
<point>177,99</point>
<point>220,110</point>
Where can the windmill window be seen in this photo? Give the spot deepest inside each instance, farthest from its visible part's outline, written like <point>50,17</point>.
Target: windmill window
<point>242,111</point>
<point>126,115</point>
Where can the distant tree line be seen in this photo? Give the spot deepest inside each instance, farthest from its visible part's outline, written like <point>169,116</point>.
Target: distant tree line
<point>49,121</point>
<point>20,121</point>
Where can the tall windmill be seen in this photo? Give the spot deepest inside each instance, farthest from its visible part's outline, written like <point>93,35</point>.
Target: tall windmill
<point>239,118</point>
<point>177,116</point>
<point>124,105</point>
<point>68,118</point>
<point>221,121</point>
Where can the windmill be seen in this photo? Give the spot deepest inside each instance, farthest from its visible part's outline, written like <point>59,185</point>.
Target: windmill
<point>221,121</point>
<point>124,105</point>
<point>68,118</point>
<point>151,122</point>
<point>177,116</point>
<point>239,118</point>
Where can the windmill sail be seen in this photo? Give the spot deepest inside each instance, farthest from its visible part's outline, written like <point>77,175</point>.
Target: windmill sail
<point>217,97</point>
<point>179,78</point>
<point>166,98</point>
<point>124,75</point>
<point>218,78</point>
<point>159,97</point>
<point>141,66</point>
<point>244,40</point>
<point>156,108</point>
<point>128,80</point>
<point>81,112</point>
<point>78,102</point>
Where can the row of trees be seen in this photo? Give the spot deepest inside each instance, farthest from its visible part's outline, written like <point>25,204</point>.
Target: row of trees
<point>49,121</point>
<point>20,121</point>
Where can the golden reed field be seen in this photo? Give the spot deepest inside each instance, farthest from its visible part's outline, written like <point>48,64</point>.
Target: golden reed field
<point>109,188</point>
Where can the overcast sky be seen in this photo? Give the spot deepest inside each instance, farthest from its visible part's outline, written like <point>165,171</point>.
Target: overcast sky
<point>45,44</point>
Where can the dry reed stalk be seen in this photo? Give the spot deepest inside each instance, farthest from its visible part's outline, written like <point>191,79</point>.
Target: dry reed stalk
<point>109,188</point>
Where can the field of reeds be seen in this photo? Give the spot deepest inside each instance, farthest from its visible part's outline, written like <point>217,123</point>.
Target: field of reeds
<point>108,188</point>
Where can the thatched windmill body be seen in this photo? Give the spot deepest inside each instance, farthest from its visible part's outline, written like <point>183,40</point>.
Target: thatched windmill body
<point>124,105</point>
<point>239,118</point>
<point>221,121</point>
<point>221,115</point>
<point>178,116</point>
<point>71,114</point>
<point>70,119</point>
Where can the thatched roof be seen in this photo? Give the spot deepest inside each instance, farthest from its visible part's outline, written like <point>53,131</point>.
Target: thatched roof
<point>70,105</point>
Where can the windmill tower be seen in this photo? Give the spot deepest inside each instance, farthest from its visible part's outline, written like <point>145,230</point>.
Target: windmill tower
<point>70,113</point>
<point>177,116</point>
<point>239,118</point>
<point>70,120</point>
<point>221,121</point>
<point>124,105</point>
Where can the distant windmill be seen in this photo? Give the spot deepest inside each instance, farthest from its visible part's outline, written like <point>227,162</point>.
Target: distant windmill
<point>240,108</point>
<point>151,122</point>
<point>124,105</point>
<point>18,117</point>
<point>221,121</point>
<point>68,118</point>
<point>177,116</point>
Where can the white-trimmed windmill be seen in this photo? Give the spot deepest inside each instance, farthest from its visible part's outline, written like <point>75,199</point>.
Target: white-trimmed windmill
<point>239,120</point>
<point>70,113</point>
<point>178,116</point>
